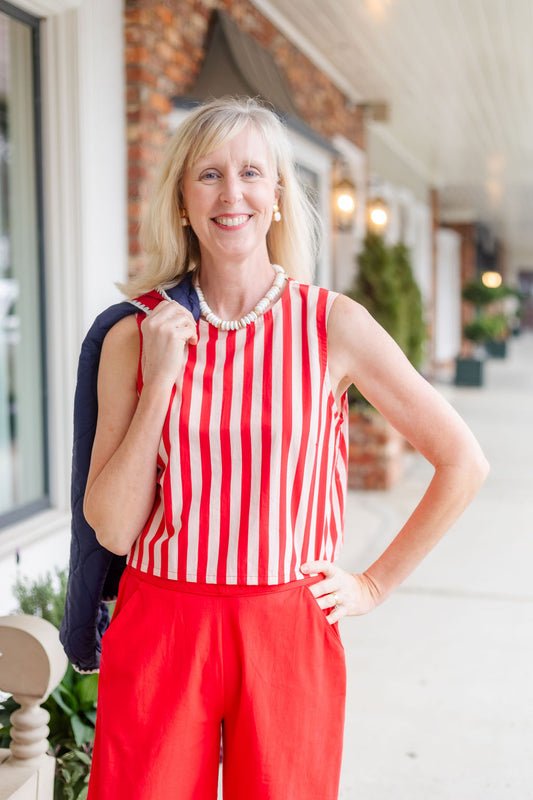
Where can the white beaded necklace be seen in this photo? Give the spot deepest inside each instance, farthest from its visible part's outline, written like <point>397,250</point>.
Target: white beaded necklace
<point>258,311</point>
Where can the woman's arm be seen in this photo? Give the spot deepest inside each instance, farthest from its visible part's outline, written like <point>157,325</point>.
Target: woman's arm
<point>361,352</point>
<point>121,484</point>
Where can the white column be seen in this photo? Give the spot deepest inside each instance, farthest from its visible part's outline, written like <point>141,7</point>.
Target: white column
<point>85,195</point>
<point>448,299</point>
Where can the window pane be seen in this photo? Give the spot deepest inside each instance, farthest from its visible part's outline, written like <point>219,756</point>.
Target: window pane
<point>22,472</point>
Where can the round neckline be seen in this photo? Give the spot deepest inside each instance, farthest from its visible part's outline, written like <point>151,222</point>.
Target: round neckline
<point>253,325</point>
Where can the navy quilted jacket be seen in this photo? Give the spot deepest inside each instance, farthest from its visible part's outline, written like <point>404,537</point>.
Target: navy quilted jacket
<point>95,572</point>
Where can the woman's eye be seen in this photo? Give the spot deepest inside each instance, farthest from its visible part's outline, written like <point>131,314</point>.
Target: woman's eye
<point>251,173</point>
<point>209,176</point>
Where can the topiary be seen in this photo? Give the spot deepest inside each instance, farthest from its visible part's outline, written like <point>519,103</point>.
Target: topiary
<point>413,331</point>
<point>386,287</point>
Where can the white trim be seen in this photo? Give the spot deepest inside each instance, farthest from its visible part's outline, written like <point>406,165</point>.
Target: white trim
<point>319,161</point>
<point>103,155</point>
<point>61,160</point>
<point>84,197</point>
<point>85,204</point>
<point>458,215</point>
<point>32,530</point>
<point>308,49</point>
<point>45,8</point>
<point>356,160</point>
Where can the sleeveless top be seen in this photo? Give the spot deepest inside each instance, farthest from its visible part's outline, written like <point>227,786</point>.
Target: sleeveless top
<point>252,462</point>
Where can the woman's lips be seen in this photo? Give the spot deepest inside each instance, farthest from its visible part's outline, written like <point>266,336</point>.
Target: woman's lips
<point>232,221</point>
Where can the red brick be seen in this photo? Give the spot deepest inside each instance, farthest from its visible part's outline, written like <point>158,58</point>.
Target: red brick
<point>165,41</point>
<point>137,55</point>
<point>139,75</point>
<point>174,73</point>
<point>173,38</point>
<point>165,51</point>
<point>165,14</point>
<point>160,103</point>
<point>136,16</point>
<point>137,172</point>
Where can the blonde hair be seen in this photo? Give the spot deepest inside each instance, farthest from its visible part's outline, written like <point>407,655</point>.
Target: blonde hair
<point>173,249</point>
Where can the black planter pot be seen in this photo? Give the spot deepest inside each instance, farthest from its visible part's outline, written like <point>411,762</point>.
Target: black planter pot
<point>496,349</point>
<point>468,372</point>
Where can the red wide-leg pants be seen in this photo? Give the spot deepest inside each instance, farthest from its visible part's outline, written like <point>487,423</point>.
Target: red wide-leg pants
<point>181,659</point>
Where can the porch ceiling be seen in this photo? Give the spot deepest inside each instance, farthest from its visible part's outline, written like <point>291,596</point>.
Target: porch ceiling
<point>457,76</point>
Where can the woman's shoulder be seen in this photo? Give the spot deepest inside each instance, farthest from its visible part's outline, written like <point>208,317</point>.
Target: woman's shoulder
<point>337,303</point>
<point>121,345</point>
<point>123,333</point>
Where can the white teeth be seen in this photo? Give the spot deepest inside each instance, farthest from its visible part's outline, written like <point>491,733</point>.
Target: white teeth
<point>231,222</point>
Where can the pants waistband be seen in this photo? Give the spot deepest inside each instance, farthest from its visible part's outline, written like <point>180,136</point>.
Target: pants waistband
<point>219,589</point>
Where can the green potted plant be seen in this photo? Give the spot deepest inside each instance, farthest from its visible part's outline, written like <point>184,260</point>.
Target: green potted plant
<point>413,330</point>
<point>385,285</point>
<point>496,344</point>
<point>486,334</point>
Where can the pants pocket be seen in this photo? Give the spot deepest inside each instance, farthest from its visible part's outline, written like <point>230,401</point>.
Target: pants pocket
<point>127,601</point>
<point>332,630</point>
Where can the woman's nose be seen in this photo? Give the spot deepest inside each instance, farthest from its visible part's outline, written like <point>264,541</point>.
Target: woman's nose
<point>230,191</point>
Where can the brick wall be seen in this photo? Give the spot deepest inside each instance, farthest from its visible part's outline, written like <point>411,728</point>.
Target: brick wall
<point>165,48</point>
<point>375,452</point>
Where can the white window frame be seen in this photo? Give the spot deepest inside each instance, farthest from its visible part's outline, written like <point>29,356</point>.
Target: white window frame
<point>85,202</point>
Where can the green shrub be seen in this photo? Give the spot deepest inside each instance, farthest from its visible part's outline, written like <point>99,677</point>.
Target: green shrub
<point>377,286</point>
<point>487,326</point>
<point>413,331</point>
<point>386,287</point>
<point>41,597</point>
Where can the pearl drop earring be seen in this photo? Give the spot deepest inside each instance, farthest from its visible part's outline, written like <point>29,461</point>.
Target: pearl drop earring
<point>184,218</point>
<point>276,213</point>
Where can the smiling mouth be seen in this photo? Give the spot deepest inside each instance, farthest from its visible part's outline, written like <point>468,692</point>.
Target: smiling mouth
<point>232,222</point>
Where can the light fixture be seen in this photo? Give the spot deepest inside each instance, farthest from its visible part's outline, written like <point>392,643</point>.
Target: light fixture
<point>491,279</point>
<point>378,213</point>
<point>344,204</point>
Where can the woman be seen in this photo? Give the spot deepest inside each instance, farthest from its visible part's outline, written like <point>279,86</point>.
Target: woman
<point>219,466</point>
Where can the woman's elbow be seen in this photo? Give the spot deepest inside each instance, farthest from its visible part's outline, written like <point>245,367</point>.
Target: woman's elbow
<point>113,544</point>
<point>109,538</point>
<point>475,467</point>
<point>483,468</point>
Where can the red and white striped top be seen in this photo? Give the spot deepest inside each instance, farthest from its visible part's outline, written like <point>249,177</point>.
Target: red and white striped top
<point>253,454</point>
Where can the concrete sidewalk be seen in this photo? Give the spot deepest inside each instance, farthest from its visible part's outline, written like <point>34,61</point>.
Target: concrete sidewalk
<point>440,698</point>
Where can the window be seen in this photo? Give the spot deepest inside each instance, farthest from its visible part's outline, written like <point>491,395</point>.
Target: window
<point>23,472</point>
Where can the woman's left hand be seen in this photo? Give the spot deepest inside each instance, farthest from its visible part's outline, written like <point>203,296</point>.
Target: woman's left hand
<point>345,594</point>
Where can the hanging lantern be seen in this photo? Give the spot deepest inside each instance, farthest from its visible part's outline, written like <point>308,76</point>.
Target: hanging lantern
<point>491,279</point>
<point>344,204</point>
<point>378,213</point>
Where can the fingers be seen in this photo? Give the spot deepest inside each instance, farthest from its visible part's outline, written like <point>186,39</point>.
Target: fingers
<point>324,587</point>
<point>336,615</point>
<point>339,591</point>
<point>172,319</point>
<point>315,567</point>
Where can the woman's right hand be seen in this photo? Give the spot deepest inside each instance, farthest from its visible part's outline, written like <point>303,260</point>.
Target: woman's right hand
<point>166,331</point>
<point>123,474</point>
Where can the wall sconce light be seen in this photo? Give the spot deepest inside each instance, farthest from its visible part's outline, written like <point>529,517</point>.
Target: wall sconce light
<point>491,279</point>
<point>378,213</point>
<point>344,204</point>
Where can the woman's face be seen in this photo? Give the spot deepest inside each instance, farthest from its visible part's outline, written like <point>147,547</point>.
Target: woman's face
<point>228,195</point>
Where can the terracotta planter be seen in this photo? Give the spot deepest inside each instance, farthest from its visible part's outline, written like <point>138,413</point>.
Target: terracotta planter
<point>375,458</point>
